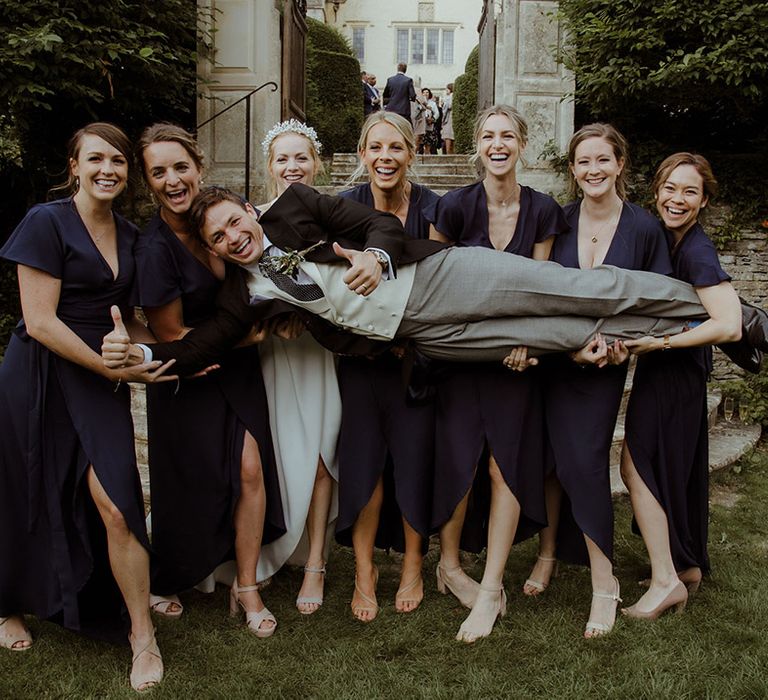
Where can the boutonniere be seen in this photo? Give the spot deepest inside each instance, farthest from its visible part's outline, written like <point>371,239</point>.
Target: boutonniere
<point>287,264</point>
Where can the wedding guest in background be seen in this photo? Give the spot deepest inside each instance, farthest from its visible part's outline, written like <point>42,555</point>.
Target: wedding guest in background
<point>489,421</point>
<point>73,543</point>
<point>214,487</point>
<point>446,127</point>
<point>399,93</point>
<point>665,459</point>
<point>431,117</point>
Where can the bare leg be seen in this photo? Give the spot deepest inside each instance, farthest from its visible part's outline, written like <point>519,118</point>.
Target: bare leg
<point>502,525</point>
<point>363,539</point>
<point>546,560</point>
<point>654,527</point>
<point>448,146</point>
<point>411,590</point>
<point>605,592</point>
<point>450,575</point>
<point>317,524</point>
<point>249,526</point>
<point>130,567</point>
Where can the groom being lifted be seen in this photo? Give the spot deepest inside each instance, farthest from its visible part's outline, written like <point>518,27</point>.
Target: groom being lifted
<point>358,283</point>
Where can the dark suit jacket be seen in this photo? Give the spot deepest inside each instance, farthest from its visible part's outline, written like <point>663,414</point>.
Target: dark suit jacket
<point>368,94</point>
<point>398,95</point>
<point>300,217</point>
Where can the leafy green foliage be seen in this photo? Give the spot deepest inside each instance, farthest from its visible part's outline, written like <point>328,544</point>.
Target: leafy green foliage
<point>465,102</point>
<point>64,63</point>
<point>751,395</point>
<point>670,61</point>
<point>334,100</point>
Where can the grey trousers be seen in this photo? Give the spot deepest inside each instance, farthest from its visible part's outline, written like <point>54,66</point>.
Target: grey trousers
<point>475,304</point>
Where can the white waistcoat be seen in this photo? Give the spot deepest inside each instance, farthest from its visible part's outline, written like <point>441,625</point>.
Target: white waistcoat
<point>376,316</point>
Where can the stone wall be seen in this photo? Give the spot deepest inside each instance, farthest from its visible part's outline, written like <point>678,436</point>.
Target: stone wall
<point>746,260</point>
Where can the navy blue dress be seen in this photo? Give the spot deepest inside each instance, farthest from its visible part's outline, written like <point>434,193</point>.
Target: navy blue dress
<point>58,418</point>
<point>666,426</point>
<point>382,435</point>
<point>483,408</point>
<point>196,432</point>
<point>581,403</point>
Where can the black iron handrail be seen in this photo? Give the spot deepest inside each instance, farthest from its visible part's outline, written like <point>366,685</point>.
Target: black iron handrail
<point>247,99</point>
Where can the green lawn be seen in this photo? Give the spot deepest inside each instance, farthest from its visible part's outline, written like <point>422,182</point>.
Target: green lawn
<point>716,649</point>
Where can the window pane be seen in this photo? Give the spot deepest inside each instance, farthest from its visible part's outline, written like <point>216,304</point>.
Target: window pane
<point>358,42</point>
<point>433,38</point>
<point>447,46</point>
<point>402,46</point>
<point>417,46</point>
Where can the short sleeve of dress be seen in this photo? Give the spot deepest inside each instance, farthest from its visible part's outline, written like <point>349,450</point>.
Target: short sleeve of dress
<point>552,221</point>
<point>429,202</point>
<point>700,264</point>
<point>157,272</point>
<point>37,242</point>
<point>447,215</point>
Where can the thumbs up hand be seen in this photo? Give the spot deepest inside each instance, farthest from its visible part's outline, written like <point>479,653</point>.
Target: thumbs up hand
<point>364,273</point>
<point>117,343</point>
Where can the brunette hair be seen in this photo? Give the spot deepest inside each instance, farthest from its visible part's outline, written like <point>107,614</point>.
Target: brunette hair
<point>112,134</point>
<point>163,132</point>
<point>431,96</point>
<point>207,198</point>
<point>615,140</point>
<point>519,126</point>
<point>403,127</point>
<point>684,158</point>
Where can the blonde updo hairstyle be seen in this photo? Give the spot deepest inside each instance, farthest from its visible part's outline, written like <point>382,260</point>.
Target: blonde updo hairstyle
<point>615,140</point>
<point>519,127</point>
<point>403,127</point>
<point>317,162</point>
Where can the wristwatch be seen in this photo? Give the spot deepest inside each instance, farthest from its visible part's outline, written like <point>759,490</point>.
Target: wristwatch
<point>380,258</point>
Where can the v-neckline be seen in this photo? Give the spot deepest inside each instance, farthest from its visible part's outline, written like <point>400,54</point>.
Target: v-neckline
<point>113,273</point>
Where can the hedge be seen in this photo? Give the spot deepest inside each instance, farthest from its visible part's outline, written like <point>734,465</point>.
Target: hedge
<point>465,103</point>
<point>334,102</point>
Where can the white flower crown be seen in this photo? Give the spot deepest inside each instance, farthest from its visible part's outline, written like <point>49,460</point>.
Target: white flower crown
<point>290,126</point>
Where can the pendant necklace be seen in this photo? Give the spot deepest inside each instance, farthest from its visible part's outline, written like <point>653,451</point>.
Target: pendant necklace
<point>614,220</point>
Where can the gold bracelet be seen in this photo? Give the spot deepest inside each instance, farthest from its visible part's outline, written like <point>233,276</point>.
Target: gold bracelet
<point>666,345</point>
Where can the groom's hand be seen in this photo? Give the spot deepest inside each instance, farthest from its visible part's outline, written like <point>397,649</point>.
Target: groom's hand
<point>116,348</point>
<point>364,273</point>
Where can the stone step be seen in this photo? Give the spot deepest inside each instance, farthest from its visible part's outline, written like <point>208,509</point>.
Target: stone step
<point>420,169</point>
<point>455,159</point>
<point>446,182</point>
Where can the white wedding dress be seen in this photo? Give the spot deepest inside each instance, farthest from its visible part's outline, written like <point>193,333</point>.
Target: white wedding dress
<point>305,417</point>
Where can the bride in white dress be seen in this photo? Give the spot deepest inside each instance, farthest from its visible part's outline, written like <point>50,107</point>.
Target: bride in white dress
<point>304,404</point>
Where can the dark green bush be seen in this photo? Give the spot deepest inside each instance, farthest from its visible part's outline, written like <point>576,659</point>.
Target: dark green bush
<point>334,100</point>
<point>465,103</point>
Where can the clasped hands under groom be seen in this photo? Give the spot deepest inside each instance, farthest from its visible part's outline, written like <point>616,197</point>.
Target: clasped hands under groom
<point>361,283</point>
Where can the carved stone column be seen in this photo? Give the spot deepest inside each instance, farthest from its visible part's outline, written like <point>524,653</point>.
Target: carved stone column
<point>247,53</point>
<point>528,77</point>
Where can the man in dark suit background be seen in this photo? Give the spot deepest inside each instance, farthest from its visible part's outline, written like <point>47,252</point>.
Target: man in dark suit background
<point>368,95</point>
<point>399,93</point>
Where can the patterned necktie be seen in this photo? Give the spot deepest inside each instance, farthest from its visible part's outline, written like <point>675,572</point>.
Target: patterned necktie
<point>286,283</point>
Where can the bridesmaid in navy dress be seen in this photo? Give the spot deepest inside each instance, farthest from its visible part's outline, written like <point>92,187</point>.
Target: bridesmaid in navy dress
<point>489,421</point>
<point>67,461</point>
<point>214,488</point>
<point>665,460</point>
<point>582,403</point>
<point>386,446</point>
